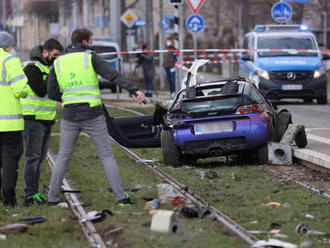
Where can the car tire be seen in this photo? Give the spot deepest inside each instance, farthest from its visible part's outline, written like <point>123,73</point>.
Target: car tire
<point>283,120</point>
<point>171,152</point>
<point>322,100</point>
<point>301,139</point>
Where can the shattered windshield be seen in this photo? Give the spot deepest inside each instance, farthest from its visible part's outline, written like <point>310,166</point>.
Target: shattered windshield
<point>286,43</point>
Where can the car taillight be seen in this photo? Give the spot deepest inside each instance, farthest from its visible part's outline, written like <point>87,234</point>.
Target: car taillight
<point>248,109</point>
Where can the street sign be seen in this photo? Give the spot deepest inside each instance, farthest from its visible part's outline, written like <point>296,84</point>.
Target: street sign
<point>195,23</point>
<point>195,5</point>
<point>175,2</point>
<point>281,12</point>
<point>129,18</point>
<point>140,23</point>
<point>297,1</point>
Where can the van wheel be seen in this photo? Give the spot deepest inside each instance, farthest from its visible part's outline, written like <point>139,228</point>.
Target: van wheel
<point>171,152</point>
<point>322,100</point>
<point>283,120</point>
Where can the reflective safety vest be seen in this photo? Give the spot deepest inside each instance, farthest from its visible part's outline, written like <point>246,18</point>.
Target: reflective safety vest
<point>77,79</point>
<point>42,108</point>
<point>13,85</point>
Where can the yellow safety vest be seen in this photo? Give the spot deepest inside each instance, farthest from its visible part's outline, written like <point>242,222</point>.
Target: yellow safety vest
<point>42,108</point>
<point>13,86</point>
<point>77,79</point>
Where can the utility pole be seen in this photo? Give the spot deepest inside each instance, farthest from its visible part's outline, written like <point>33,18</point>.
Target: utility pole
<point>74,13</point>
<point>3,14</point>
<point>161,45</point>
<point>181,39</point>
<point>101,15</point>
<point>85,13</point>
<point>61,19</point>
<point>115,25</point>
<point>149,19</point>
<point>325,29</point>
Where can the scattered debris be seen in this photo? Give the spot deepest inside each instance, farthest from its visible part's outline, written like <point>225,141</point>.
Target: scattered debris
<point>273,243</point>
<point>280,235</point>
<point>118,230</point>
<point>286,205</point>
<point>305,229</point>
<point>65,189</point>
<point>166,192</point>
<point>252,222</point>
<point>152,205</point>
<point>275,225</point>
<point>35,220</point>
<point>178,201</point>
<point>309,216</point>
<point>164,221</point>
<point>193,211</point>
<point>3,237</point>
<point>201,173</point>
<point>14,228</point>
<point>211,174</point>
<point>273,204</point>
<point>14,215</point>
<point>63,205</point>
<point>95,216</point>
<point>306,244</point>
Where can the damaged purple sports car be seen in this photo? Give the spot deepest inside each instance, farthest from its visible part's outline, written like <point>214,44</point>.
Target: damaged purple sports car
<point>206,119</point>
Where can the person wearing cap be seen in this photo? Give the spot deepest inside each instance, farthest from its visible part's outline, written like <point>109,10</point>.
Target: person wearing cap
<point>13,86</point>
<point>39,115</point>
<point>73,81</point>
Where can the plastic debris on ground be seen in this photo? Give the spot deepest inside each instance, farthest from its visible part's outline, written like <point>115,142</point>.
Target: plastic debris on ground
<point>62,205</point>
<point>286,205</point>
<point>273,204</point>
<point>201,173</point>
<point>309,216</point>
<point>14,228</point>
<point>152,205</point>
<point>164,221</point>
<point>35,220</point>
<point>178,201</point>
<point>273,243</point>
<point>3,237</point>
<point>166,192</point>
<point>306,244</point>
<point>95,216</point>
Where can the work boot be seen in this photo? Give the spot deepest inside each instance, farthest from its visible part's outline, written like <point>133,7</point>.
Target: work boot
<point>10,202</point>
<point>127,201</point>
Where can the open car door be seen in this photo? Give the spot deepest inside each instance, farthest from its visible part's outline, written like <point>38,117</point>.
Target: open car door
<point>134,132</point>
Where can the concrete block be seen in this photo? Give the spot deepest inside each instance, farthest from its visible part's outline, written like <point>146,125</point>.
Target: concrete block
<point>164,221</point>
<point>279,154</point>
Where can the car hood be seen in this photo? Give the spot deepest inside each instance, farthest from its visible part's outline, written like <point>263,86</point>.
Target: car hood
<point>285,63</point>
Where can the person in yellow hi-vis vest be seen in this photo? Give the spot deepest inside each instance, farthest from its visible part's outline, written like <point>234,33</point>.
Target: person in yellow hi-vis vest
<point>39,115</point>
<point>13,86</point>
<point>73,81</point>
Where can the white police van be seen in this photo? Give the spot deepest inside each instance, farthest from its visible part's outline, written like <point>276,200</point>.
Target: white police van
<point>107,45</point>
<point>285,74</point>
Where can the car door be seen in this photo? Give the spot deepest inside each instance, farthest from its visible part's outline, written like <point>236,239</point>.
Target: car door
<point>134,132</point>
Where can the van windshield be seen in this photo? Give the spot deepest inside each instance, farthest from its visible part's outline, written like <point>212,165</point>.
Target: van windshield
<point>285,43</point>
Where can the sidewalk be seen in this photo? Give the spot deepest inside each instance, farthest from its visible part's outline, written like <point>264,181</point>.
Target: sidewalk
<point>317,152</point>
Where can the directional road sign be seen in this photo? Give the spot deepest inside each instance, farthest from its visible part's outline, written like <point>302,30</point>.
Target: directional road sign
<point>195,5</point>
<point>140,23</point>
<point>129,18</point>
<point>281,12</point>
<point>195,23</point>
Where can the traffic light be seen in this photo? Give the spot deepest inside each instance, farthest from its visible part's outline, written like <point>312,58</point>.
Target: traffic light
<point>175,2</point>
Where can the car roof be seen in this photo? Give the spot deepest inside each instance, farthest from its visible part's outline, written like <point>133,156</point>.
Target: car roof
<point>221,82</point>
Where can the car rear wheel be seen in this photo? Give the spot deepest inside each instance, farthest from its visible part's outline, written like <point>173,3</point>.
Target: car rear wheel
<point>282,124</point>
<point>171,153</point>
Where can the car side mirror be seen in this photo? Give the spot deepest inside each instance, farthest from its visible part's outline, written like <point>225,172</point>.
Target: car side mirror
<point>325,56</point>
<point>246,57</point>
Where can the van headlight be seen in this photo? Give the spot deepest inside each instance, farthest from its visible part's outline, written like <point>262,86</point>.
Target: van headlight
<point>263,73</point>
<point>318,73</point>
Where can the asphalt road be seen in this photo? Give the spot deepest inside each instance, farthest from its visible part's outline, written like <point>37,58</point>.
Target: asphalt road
<point>311,115</point>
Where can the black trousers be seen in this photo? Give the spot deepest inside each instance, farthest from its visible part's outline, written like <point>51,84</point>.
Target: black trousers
<point>11,149</point>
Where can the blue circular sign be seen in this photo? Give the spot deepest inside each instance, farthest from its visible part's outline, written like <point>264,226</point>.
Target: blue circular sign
<point>195,23</point>
<point>281,12</point>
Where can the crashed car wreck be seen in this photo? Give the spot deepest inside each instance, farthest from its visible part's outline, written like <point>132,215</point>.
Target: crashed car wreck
<point>206,119</point>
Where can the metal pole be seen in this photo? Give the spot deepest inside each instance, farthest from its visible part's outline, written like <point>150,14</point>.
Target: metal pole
<point>115,25</point>
<point>325,28</point>
<point>195,45</point>
<point>181,39</point>
<point>85,13</point>
<point>101,14</point>
<point>3,14</point>
<point>74,14</point>
<point>161,45</point>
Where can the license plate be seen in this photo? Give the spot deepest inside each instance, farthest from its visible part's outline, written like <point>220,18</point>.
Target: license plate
<point>291,87</point>
<point>214,127</point>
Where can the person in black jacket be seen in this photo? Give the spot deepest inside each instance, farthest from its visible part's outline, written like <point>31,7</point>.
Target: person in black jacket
<point>80,113</point>
<point>39,115</point>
